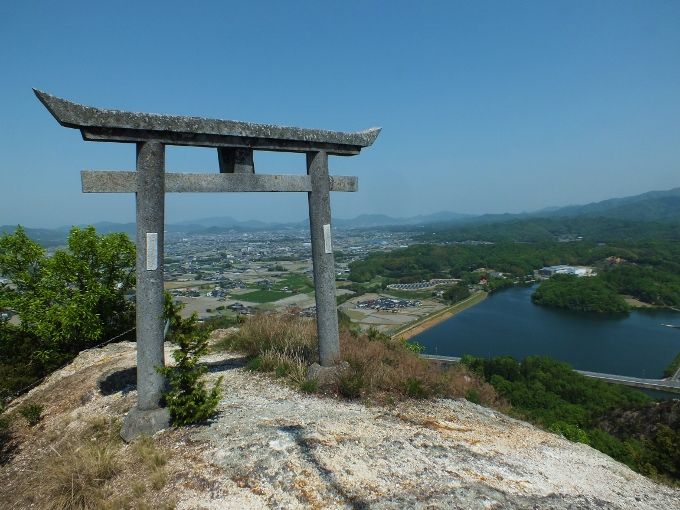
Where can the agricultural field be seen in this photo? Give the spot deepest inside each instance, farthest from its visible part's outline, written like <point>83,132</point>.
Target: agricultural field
<point>387,321</point>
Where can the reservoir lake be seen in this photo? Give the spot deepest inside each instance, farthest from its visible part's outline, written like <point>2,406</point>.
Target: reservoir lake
<point>508,323</point>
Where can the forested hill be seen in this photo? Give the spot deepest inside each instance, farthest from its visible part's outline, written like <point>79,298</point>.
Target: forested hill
<point>650,216</point>
<point>650,206</point>
<point>651,271</point>
<point>531,230</point>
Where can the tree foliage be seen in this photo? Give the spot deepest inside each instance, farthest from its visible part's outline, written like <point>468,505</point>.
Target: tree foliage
<point>650,273</point>
<point>456,293</point>
<point>535,230</point>
<point>579,294</point>
<point>551,394</point>
<point>651,285</point>
<point>75,297</point>
<point>65,302</point>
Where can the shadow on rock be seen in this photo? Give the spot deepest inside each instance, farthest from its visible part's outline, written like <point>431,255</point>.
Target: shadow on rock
<point>307,450</point>
<point>9,445</point>
<point>123,381</point>
<point>226,364</point>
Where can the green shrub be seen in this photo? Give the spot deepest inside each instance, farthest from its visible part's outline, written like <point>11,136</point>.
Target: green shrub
<point>254,364</point>
<point>414,346</point>
<point>472,395</point>
<point>309,385</point>
<point>188,399</point>
<point>570,431</point>
<point>414,388</point>
<point>32,413</point>
<point>351,383</point>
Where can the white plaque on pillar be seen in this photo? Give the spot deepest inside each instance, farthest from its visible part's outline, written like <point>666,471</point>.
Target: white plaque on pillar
<point>151,251</point>
<point>327,246</point>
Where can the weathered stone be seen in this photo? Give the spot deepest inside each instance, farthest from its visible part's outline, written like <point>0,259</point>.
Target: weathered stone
<point>126,182</point>
<point>235,160</point>
<point>149,270</point>
<point>322,258</point>
<point>144,422</point>
<point>120,126</point>
<point>326,376</point>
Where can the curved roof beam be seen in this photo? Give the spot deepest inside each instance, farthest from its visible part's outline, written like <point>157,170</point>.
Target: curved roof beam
<point>119,126</point>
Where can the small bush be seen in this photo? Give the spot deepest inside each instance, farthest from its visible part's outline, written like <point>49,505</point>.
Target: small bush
<point>351,383</point>
<point>254,364</point>
<point>473,396</point>
<point>275,333</point>
<point>414,346</point>
<point>188,400</point>
<point>309,385</point>
<point>32,413</point>
<point>570,431</point>
<point>414,388</point>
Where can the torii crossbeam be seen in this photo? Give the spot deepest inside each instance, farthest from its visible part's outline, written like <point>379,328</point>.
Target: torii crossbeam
<point>235,143</point>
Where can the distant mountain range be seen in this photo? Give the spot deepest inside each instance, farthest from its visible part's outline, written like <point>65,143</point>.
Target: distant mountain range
<point>656,206</point>
<point>650,206</point>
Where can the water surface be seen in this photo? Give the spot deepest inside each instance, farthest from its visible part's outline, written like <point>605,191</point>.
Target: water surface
<point>508,323</point>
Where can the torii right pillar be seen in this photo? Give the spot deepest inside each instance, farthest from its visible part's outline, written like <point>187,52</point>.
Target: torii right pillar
<point>322,258</point>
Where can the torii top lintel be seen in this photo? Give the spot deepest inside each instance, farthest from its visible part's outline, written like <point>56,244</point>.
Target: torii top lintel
<point>118,126</point>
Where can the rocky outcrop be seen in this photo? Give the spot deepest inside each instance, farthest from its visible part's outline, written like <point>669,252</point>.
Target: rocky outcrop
<point>642,422</point>
<point>273,447</point>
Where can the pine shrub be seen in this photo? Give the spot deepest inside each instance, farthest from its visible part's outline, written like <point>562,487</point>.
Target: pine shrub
<point>32,413</point>
<point>188,399</point>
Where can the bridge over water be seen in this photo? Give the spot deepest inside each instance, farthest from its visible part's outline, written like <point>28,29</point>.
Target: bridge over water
<point>671,385</point>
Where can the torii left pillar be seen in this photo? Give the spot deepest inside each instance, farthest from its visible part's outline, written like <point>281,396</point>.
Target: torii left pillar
<point>148,416</point>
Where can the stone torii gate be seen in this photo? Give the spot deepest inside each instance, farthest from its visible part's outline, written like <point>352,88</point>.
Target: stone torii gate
<point>235,143</point>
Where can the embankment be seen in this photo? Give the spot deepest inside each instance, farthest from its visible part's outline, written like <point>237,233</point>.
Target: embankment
<point>426,323</point>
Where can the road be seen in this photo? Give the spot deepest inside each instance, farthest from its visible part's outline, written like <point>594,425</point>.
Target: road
<point>669,385</point>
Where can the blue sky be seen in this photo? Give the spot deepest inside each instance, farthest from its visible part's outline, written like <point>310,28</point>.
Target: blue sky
<point>485,106</point>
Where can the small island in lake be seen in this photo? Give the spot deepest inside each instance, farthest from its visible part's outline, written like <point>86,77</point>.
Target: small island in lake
<point>580,294</point>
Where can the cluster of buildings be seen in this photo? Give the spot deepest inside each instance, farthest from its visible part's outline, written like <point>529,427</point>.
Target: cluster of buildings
<point>548,271</point>
<point>308,312</point>
<point>424,285</point>
<point>385,303</point>
<point>217,292</point>
<point>240,309</point>
<point>186,292</point>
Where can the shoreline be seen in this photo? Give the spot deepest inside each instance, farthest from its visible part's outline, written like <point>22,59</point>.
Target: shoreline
<point>442,315</point>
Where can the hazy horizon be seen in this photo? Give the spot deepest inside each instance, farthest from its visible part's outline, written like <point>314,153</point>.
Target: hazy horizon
<point>273,220</point>
<point>485,108</point>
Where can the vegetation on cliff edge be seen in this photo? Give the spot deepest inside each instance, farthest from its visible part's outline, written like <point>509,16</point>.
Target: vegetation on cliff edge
<point>550,394</point>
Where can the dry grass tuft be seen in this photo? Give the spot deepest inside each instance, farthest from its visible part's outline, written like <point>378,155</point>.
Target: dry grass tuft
<point>94,469</point>
<point>76,476</point>
<point>285,334</point>
<point>379,366</point>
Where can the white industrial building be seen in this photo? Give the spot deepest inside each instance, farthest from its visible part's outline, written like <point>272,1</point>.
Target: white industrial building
<point>579,271</point>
